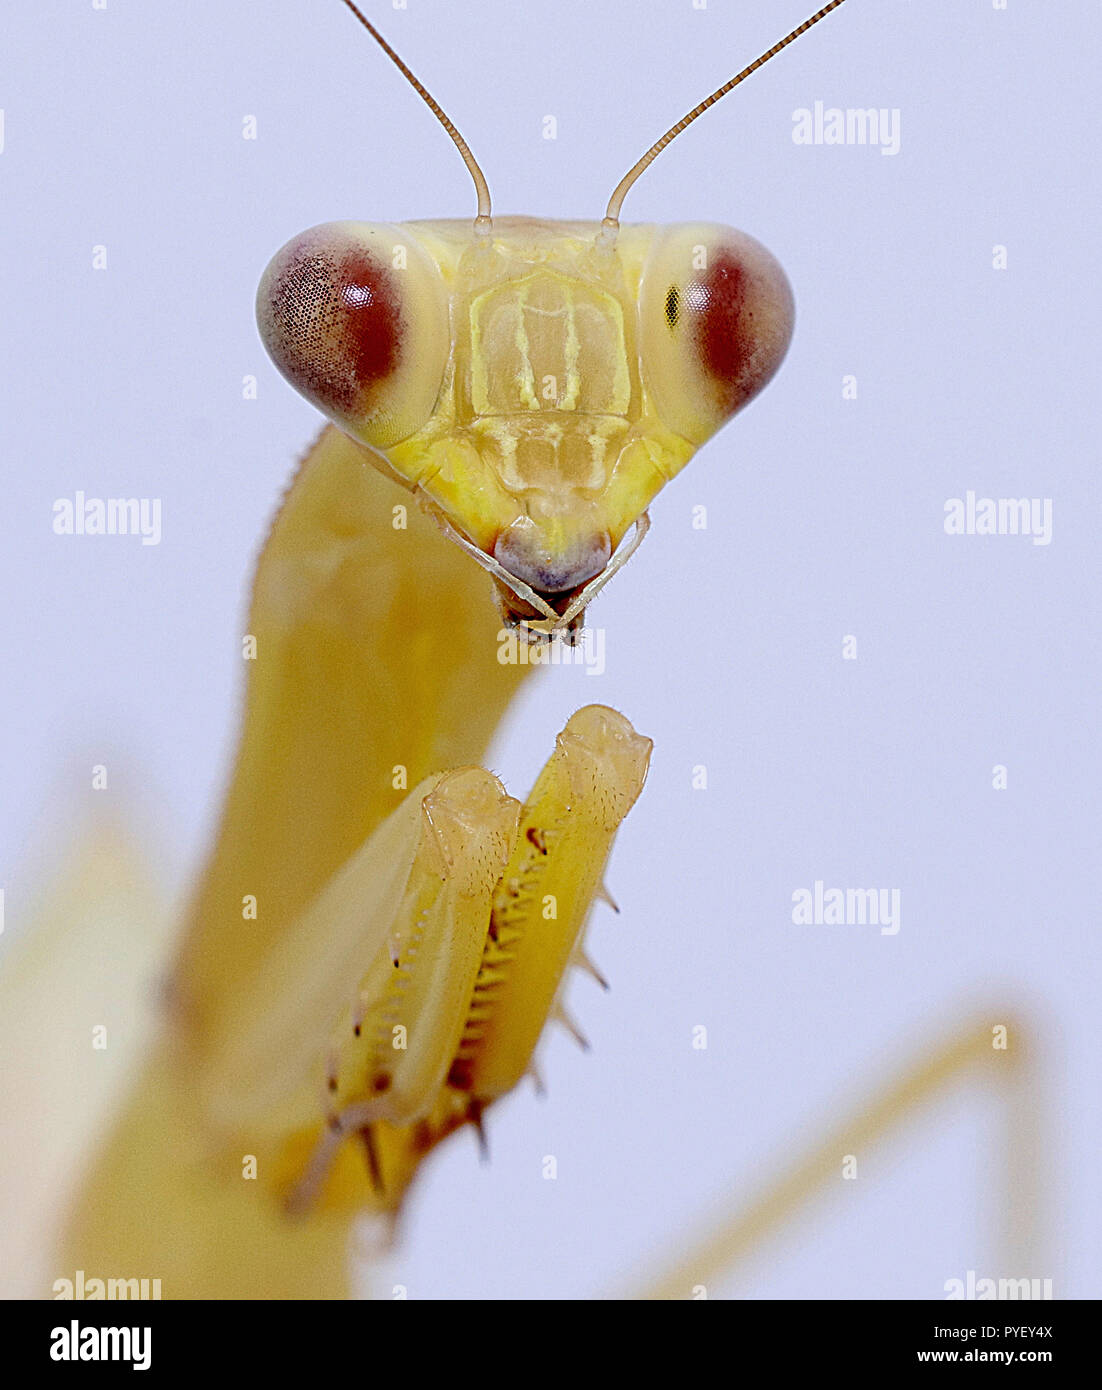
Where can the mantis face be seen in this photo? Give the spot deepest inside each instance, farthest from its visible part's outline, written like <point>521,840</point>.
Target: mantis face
<point>536,383</point>
<point>537,387</point>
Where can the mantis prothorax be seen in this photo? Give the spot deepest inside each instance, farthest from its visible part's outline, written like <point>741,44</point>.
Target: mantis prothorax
<point>535,383</point>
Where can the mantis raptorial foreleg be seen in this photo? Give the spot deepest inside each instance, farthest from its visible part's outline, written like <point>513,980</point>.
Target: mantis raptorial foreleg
<point>448,1021</point>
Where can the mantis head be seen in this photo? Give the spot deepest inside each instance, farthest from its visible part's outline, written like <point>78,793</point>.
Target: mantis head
<point>535,383</point>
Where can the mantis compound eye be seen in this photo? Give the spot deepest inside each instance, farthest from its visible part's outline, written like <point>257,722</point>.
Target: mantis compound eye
<point>715,320</point>
<point>355,316</point>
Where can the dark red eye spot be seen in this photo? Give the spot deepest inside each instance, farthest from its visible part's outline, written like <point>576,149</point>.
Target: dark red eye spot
<point>725,335</point>
<point>329,311</point>
<point>741,308</point>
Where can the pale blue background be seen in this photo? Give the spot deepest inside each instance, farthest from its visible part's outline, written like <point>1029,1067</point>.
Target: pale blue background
<point>123,128</point>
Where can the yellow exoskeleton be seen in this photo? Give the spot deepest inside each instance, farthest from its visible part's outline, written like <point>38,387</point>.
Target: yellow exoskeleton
<point>366,968</point>
<point>535,383</point>
<point>448,935</point>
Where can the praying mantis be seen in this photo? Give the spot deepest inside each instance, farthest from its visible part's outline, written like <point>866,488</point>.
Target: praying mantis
<point>534,384</point>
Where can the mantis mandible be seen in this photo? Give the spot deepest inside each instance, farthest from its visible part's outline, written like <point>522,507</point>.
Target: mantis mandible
<point>535,383</point>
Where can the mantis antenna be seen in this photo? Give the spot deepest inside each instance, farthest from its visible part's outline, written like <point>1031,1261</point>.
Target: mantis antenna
<point>482,188</point>
<point>616,202</point>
